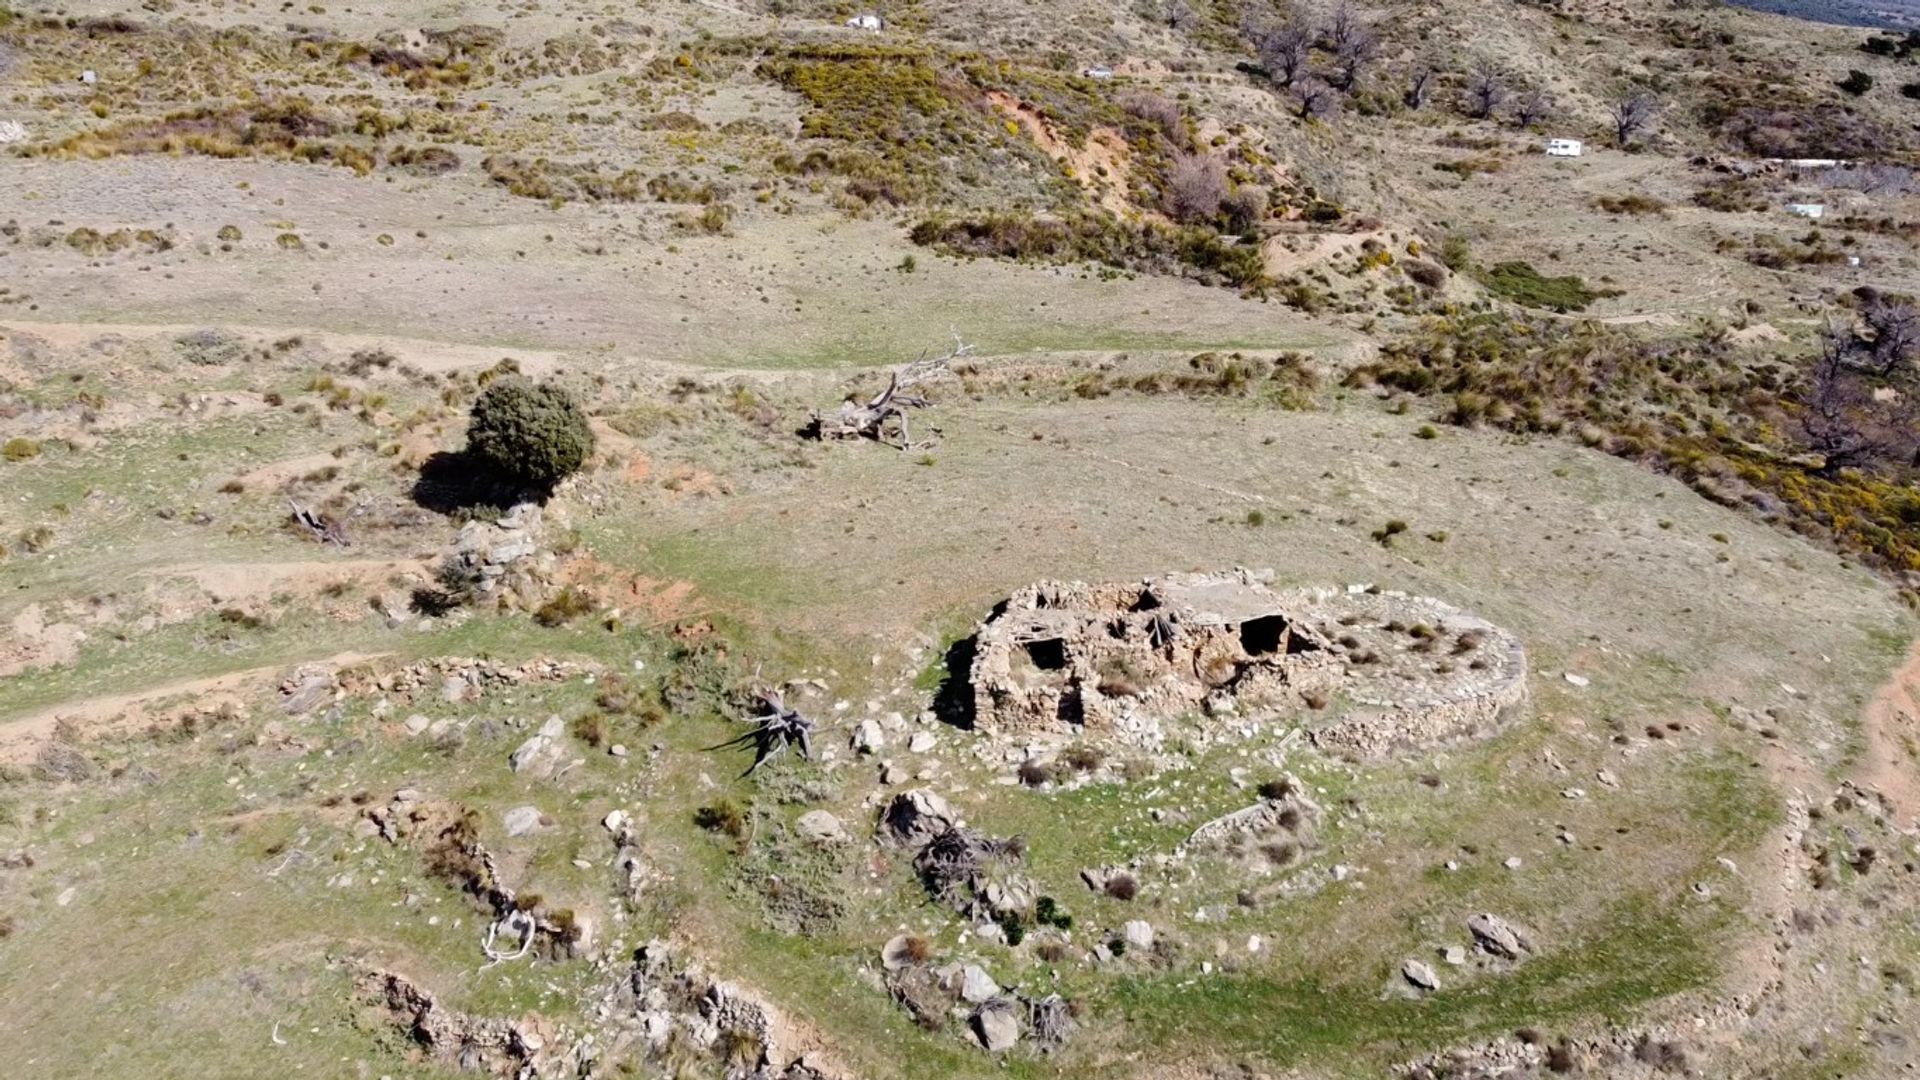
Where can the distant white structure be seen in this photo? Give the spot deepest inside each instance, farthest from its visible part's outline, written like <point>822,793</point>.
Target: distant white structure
<point>1812,210</point>
<point>1565,148</point>
<point>89,77</point>
<point>12,131</point>
<point>1098,72</point>
<point>871,23</point>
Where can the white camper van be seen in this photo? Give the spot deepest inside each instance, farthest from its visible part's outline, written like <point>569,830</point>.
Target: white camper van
<point>1564,148</point>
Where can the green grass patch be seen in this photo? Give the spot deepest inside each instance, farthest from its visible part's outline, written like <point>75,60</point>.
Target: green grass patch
<point>1520,283</point>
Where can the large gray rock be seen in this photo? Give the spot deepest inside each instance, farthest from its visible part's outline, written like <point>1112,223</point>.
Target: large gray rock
<point>1138,934</point>
<point>916,816</point>
<point>522,820</point>
<point>1420,975</point>
<point>976,986</point>
<point>997,1025</point>
<point>312,692</point>
<point>539,749</point>
<point>868,738</point>
<point>821,827</point>
<point>1496,936</point>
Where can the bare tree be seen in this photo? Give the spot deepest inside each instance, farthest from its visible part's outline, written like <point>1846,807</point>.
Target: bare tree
<point>1893,334</point>
<point>1419,86</point>
<point>1532,107</point>
<point>1285,49</point>
<point>1631,115</point>
<point>1317,100</point>
<point>1844,421</point>
<point>1486,89</point>
<point>1355,45</point>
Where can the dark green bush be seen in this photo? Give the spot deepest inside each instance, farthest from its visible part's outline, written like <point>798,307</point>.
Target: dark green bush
<point>534,433</point>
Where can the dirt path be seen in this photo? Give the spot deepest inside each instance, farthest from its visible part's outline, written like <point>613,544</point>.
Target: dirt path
<point>20,739</point>
<point>1892,762</point>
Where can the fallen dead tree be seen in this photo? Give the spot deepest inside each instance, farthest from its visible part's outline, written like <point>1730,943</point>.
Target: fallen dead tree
<point>323,527</point>
<point>858,419</point>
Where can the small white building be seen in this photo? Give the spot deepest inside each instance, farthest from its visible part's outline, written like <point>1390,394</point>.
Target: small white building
<point>1565,148</point>
<point>1811,210</point>
<point>871,23</point>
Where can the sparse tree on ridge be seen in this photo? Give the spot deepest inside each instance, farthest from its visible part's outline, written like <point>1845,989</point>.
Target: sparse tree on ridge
<point>1631,115</point>
<point>1532,107</point>
<point>1486,90</point>
<point>1419,86</point>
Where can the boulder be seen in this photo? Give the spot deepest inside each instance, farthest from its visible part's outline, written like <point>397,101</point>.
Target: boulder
<point>921,742</point>
<point>308,694</point>
<point>976,986</point>
<point>1496,936</point>
<point>538,748</point>
<point>821,827</point>
<point>868,738</point>
<point>1420,975</point>
<point>1138,934</point>
<point>916,816</point>
<point>997,1025</point>
<point>522,820</point>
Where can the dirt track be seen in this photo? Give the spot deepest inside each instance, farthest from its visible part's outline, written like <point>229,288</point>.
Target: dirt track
<point>1892,722</point>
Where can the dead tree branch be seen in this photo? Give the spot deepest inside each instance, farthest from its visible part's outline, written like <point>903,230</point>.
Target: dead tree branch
<point>856,419</point>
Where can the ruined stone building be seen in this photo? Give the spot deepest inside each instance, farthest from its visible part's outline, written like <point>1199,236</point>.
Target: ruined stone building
<point>1063,658</point>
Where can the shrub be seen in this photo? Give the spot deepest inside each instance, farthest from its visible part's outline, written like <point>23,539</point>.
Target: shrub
<point>20,448</point>
<point>1196,186</point>
<point>1424,274</point>
<point>1122,887</point>
<point>534,433</point>
<point>1856,83</point>
<point>1520,283</point>
<point>723,815</point>
<point>592,728</point>
<point>1385,533</point>
<point>1630,204</point>
<point>563,607</point>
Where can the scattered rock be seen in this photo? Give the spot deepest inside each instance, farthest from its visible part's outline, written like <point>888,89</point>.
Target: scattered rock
<point>868,738</point>
<point>1138,934</point>
<point>921,742</point>
<point>616,821</point>
<point>1576,680</point>
<point>1420,975</point>
<point>1455,955</point>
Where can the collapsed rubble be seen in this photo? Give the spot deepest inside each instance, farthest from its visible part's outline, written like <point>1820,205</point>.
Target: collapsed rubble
<point>1067,658</point>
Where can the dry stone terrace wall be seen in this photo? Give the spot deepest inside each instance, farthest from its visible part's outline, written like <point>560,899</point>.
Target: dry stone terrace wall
<point>1065,658</point>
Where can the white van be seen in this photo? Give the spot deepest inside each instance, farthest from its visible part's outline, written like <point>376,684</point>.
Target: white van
<point>1564,148</point>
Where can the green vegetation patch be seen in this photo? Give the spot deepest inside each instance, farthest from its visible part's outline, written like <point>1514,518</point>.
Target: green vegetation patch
<point>1520,283</point>
<point>1642,951</point>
